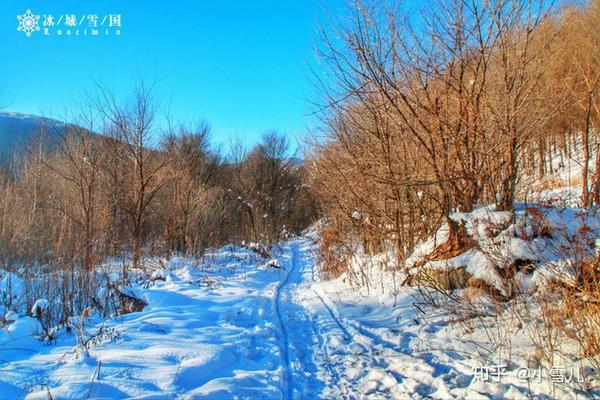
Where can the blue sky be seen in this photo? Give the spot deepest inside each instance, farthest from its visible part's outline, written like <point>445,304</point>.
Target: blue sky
<point>239,64</point>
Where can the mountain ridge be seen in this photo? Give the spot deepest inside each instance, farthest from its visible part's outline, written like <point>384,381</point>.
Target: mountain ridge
<point>17,129</point>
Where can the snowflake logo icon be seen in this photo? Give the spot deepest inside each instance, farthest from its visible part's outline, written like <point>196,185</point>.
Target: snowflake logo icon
<point>28,23</point>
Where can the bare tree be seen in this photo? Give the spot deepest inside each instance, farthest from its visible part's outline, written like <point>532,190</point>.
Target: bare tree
<point>192,168</point>
<point>132,126</point>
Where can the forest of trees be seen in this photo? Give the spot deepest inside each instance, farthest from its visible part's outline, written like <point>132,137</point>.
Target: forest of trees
<point>433,111</point>
<point>82,193</point>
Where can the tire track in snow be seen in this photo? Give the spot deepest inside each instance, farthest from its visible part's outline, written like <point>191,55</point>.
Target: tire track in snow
<point>353,331</point>
<point>330,368</point>
<point>294,276</point>
<point>356,326</point>
<point>287,385</point>
<point>325,350</point>
<point>347,335</point>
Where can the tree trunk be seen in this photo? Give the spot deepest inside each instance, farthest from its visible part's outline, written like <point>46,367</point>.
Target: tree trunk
<point>585,138</point>
<point>595,199</point>
<point>507,199</point>
<point>458,242</point>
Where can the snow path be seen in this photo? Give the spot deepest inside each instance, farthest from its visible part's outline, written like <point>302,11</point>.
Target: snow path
<point>299,338</point>
<point>287,376</point>
<point>258,333</point>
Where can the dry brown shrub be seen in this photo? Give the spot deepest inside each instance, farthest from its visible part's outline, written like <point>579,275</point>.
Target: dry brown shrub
<point>334,253</point>
<point>575,311</point>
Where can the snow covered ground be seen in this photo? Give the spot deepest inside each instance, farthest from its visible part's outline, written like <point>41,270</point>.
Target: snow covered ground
<point>238,326</point>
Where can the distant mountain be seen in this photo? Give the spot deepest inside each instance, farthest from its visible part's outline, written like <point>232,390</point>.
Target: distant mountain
<point>16,130</point>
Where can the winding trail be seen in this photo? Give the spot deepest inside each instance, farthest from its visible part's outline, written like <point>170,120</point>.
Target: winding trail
<point>287,378</point>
